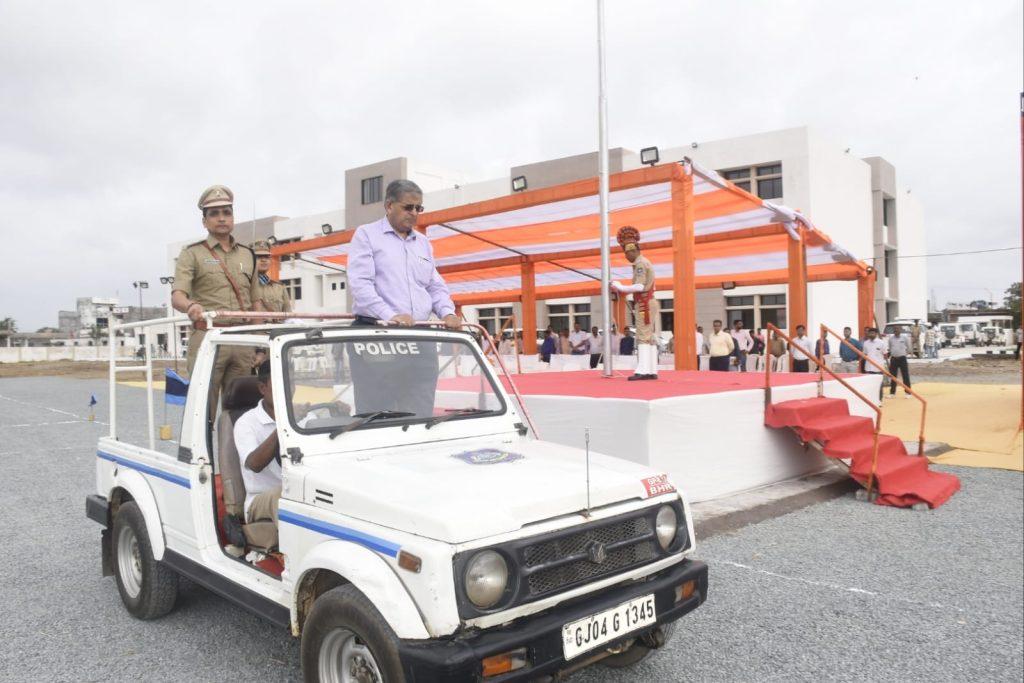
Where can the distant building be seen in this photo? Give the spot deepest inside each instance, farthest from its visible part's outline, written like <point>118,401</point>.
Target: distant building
<point>858,202</point>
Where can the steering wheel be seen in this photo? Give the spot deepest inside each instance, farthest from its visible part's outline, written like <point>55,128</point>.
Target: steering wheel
<point>334,408</point>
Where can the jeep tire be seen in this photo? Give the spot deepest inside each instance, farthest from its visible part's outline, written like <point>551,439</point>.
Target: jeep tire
<point>147,587</point>
<point>344,632</point>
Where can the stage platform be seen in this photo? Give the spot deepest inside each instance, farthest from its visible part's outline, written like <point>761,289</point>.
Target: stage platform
<point>705,429</point>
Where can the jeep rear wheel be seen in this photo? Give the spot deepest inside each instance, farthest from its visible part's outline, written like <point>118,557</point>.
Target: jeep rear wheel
<point>148,589</point>
<point>346,640</point>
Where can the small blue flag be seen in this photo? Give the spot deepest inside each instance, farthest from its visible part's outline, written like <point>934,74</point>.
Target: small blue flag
<point>92,400</point>
<point>175,387</point>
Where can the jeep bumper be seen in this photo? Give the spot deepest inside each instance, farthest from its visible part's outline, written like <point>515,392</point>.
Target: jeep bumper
<point>459,659</point>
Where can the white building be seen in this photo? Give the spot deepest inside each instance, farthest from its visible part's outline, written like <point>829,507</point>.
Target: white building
<point>858,202</point>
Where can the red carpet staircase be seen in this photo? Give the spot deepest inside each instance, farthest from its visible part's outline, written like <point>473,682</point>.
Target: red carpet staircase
<point>901,480</point>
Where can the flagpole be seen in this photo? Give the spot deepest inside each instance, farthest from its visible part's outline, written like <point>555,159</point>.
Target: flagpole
<point>602,124</point>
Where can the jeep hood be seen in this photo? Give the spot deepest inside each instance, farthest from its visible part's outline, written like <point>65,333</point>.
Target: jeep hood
<point>460,491</point>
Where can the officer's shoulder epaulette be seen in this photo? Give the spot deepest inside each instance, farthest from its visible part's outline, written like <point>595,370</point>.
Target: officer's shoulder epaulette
<point>194,244</point>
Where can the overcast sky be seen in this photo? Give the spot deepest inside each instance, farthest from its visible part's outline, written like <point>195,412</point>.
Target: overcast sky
<point>115,116</point>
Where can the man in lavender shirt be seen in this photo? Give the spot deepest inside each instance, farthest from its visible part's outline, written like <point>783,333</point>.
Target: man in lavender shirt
<point>392,277</point>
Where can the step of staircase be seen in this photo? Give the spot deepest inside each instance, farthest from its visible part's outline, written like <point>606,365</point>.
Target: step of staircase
<point>901,480</point>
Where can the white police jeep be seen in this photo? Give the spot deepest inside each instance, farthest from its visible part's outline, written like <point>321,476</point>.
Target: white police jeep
<point>423,533</point>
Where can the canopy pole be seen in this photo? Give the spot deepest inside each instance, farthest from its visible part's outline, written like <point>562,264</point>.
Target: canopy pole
<point>797,283</point>
<point>865,301</point>
<point>528,299</point>
<point>606,263</point>
<point>684,285</point>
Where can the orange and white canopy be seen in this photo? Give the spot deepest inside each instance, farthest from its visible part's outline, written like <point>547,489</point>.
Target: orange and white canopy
<point>738,238</point>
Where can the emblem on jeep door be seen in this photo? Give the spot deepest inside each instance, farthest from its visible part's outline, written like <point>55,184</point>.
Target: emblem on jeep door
<point>597,552</point>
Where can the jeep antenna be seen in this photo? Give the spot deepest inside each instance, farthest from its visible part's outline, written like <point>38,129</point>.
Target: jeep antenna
<point>586,441</point>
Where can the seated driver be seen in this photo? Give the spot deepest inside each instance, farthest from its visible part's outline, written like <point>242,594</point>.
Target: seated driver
<point>256,442</point>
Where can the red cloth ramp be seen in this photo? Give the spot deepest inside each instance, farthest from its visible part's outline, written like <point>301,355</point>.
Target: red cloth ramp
<point>902,480</point>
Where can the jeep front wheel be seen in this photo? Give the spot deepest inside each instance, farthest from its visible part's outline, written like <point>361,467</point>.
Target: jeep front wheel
<point>346,640</point>
<point>148,589</point>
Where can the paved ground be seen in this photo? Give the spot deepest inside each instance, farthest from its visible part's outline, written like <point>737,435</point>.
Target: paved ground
<point>839,591</point>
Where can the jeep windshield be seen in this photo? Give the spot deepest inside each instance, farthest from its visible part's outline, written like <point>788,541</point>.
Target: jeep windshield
<point>339,385</point>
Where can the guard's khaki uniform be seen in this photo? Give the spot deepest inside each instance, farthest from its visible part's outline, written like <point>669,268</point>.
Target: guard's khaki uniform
<point>199,275</point>
<point>274,296</point>
<point>645,306</point>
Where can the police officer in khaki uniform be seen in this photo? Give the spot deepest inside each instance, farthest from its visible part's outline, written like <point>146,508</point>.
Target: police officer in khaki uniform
<point>216,274</point>
<point>644,303</point>
<point>272,295</point>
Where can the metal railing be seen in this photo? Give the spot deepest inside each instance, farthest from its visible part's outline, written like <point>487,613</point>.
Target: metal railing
<point>826,330</point>
<point>822,370</point>
<point>253,316</point>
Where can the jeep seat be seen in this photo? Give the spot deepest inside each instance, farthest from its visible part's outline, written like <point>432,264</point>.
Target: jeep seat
<point>242,394</point>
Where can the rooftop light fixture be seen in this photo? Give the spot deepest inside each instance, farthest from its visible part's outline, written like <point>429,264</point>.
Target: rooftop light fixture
<point>649,156</point>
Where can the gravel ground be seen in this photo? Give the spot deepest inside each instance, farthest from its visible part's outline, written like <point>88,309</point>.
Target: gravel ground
<point>839,591</point>
<point>969,371</point>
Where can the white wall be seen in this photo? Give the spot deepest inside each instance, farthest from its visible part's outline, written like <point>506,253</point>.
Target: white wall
<point>913,276</point>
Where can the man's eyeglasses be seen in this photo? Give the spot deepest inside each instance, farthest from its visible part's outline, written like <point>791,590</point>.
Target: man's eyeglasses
<point>222,211</point>
<point>417,208</point>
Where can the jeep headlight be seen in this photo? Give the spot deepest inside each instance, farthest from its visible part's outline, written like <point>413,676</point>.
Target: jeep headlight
<point>666,525</point>
<point>486,578</point>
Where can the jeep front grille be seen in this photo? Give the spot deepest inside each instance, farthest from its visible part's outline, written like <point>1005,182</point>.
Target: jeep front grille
<point>572,559</point>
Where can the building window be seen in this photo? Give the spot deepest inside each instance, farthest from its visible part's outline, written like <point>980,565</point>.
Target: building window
<point>765,180</point>
<point>373,189</point>
<point>667,314</point>
<point>491,319</point>
<point>294,287</point>
<point>564,316</point>
<point>887,211</point>
<point>757,310</point>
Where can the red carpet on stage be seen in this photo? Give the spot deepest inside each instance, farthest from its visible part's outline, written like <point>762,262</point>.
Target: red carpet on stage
<point>902,480</point>
<point>670,383</point>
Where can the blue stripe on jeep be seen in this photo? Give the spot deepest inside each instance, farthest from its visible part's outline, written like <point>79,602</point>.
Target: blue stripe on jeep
<point>344,533</point>
<point>145,469</point>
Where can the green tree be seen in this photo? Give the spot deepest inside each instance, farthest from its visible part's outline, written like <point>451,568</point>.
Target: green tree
<point>8,326</point>
<point>1012,301</point>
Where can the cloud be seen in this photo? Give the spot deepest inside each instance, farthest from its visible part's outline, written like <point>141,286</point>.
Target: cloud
<point>114,116</point>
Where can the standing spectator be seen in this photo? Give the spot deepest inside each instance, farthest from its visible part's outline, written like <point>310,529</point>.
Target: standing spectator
<point>915,338</point>
<point>822,348</point>
<point>931,338</point>
<point>578,341</point>
<point>595,342</point>
<point>776,347</point>
<point>506,347</point>
<point>758,342</point>
<point>720,347</point>
<point>548,346</point>
<point>519,341</point>
<point>701,345</point>
<point>628,344</point>
<point>850,358</point>
<point>1020,340</point>
<point>616,339</point>
<point>875,349</point>
<point>565,343</point>
<point>742,344</point>
<point>899,347</point>
<point>802,349</point>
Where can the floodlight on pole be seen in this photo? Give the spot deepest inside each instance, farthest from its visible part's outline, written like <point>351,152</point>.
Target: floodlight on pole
<point>326,228</point>
<point>519,183</point>
<point>649,156</point>
<point>271,240</point>
<point>140,285</point>
<point>169,280</point>
<point>602,185</point>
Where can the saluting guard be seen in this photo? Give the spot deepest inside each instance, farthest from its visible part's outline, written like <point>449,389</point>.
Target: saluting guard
<point>644,303</point>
